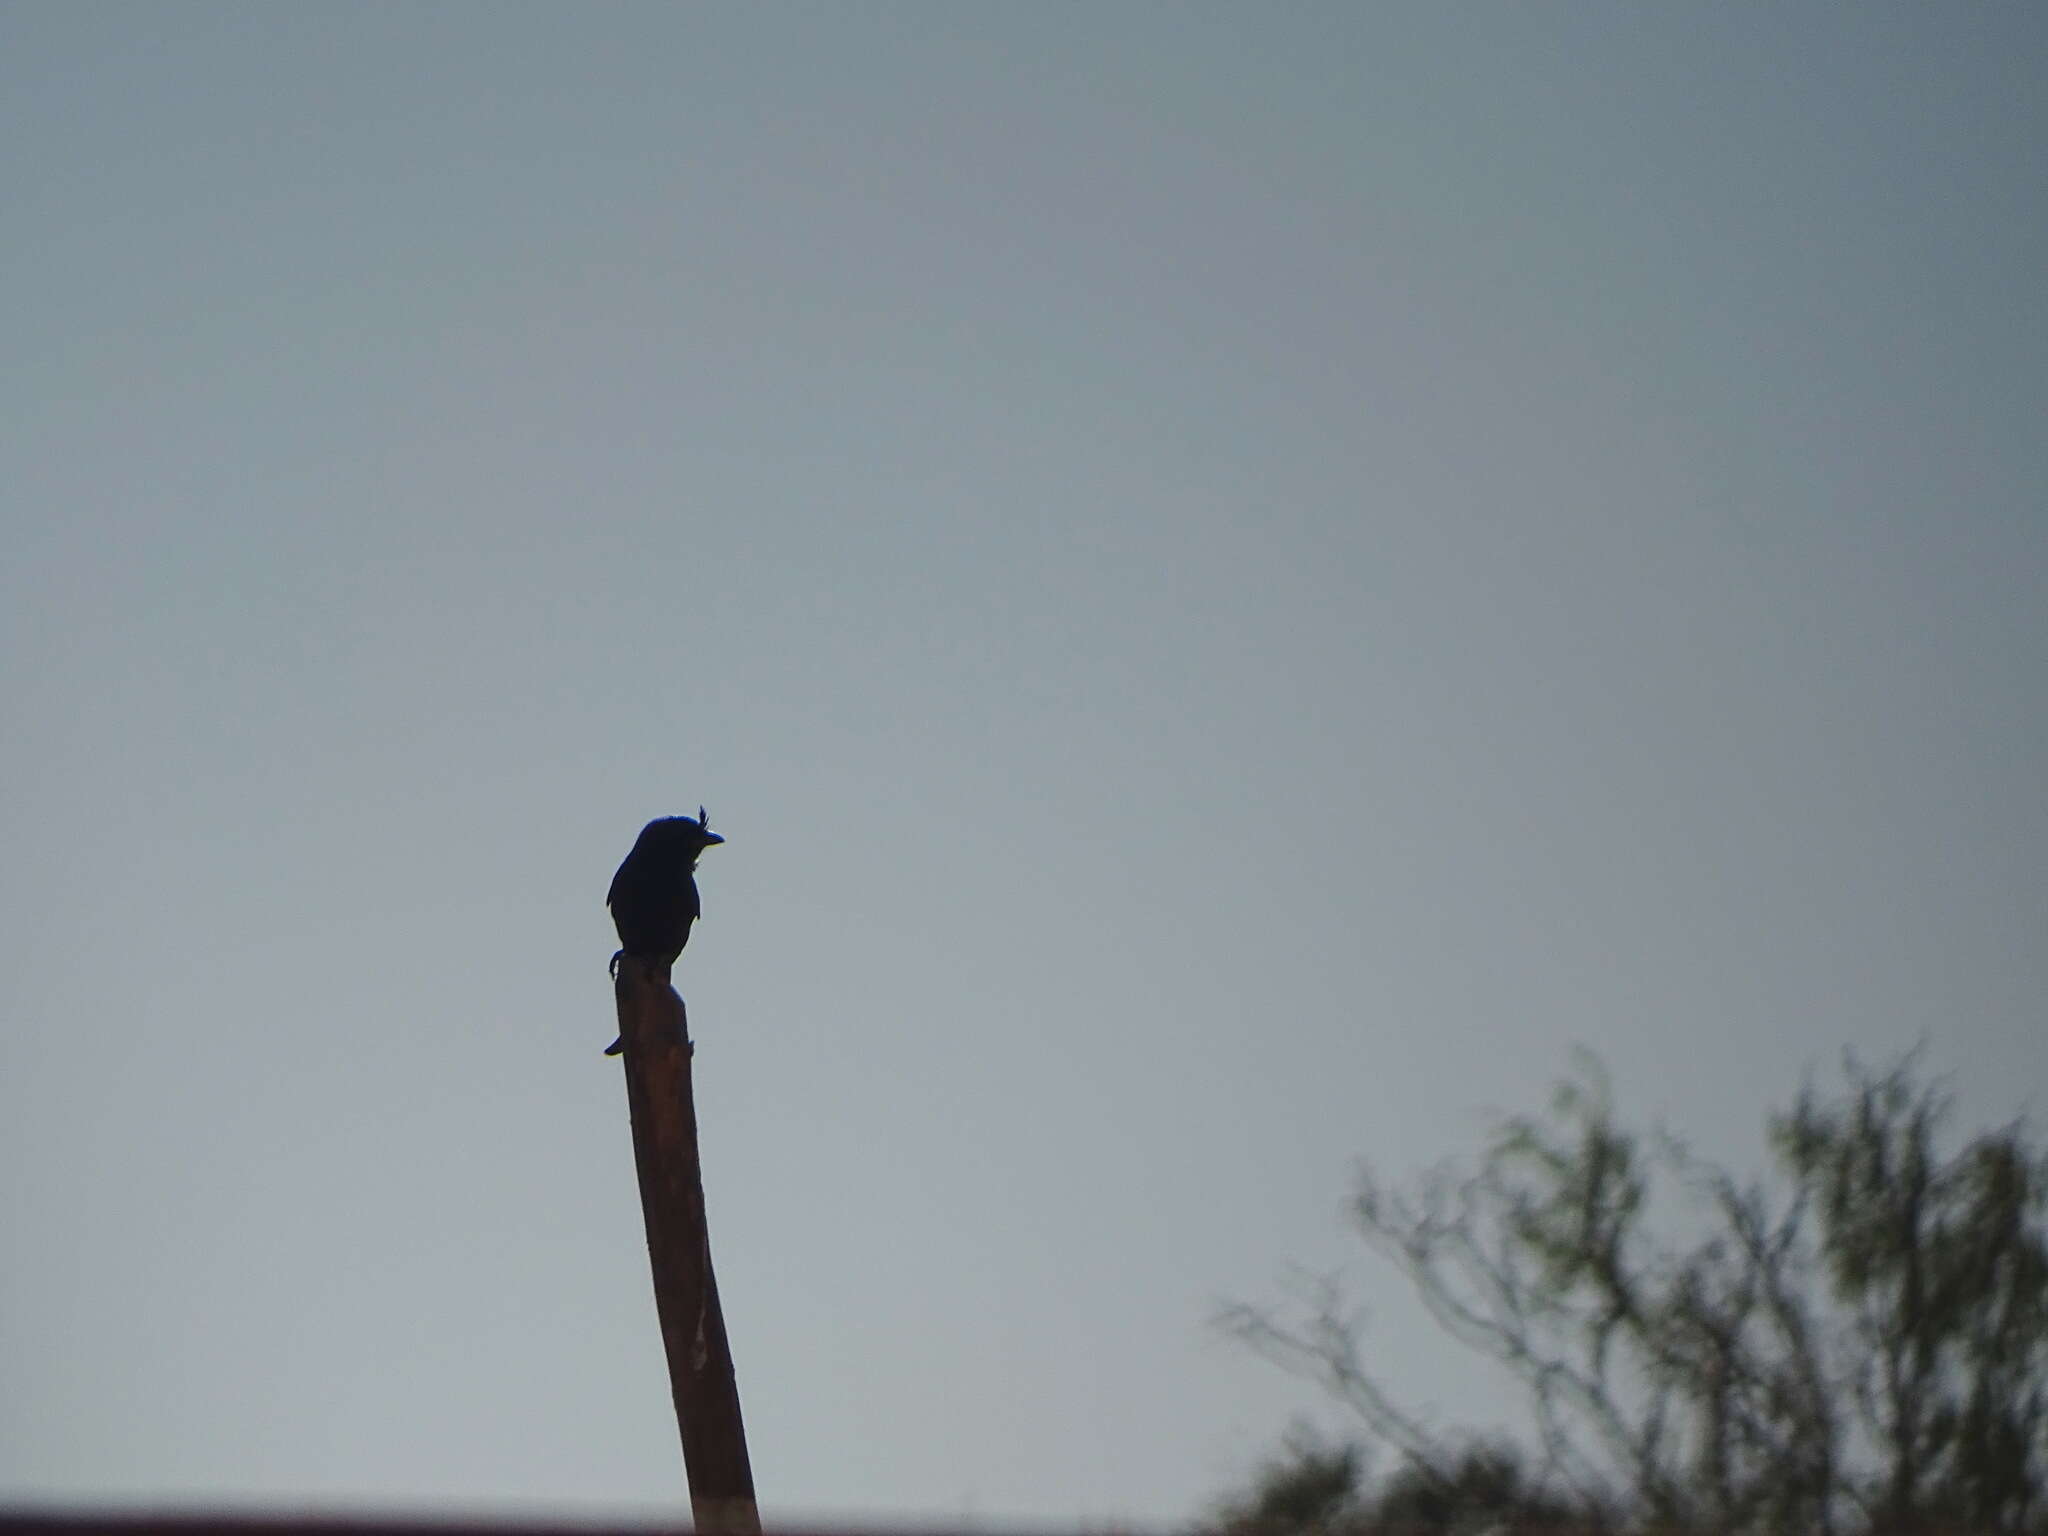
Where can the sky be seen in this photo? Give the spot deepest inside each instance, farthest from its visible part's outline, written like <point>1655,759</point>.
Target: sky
<point>1240,581</point>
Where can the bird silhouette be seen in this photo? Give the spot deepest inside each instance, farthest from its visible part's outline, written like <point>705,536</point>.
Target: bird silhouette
<point>654,894</point>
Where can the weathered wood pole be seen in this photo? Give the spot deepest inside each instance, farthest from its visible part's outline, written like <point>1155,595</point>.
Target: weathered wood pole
<point>656,1030</point>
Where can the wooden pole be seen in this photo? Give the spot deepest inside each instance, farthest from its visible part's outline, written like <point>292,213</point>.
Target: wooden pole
<point>656,1030</point>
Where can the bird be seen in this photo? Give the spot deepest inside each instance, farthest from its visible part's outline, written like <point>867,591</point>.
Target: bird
<point>654,895</point>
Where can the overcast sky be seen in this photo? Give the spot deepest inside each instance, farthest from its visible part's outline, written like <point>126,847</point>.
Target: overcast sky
<point>1239,580</point>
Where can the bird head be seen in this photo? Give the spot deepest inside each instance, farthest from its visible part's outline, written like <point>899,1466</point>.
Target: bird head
<point>680,832</point>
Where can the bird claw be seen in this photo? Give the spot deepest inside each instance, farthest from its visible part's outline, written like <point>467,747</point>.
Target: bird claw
<point>618,1046</point>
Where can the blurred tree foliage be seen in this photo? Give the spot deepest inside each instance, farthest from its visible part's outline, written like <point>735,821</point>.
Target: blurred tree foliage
<point>1855,1346</point>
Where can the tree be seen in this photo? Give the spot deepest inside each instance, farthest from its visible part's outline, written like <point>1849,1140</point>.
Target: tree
<point>1312,1490</point>
<point>1319,1489</point>
<point>1857,1346</point>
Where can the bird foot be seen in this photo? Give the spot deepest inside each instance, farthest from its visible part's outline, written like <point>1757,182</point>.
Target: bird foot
<point>619,1045</point>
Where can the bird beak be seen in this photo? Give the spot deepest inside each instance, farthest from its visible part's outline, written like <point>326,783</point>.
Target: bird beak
<point>711,837</point>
